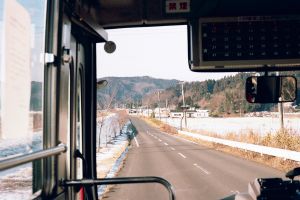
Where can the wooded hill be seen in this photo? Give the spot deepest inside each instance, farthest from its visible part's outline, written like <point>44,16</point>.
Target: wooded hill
<point>225,96</point>
<point>129,91</point>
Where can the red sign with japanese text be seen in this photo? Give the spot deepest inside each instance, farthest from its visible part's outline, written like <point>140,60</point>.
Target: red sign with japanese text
<point>177,6</point>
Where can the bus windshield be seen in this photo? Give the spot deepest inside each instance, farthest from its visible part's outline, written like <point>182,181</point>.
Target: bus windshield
<point>179,118</point>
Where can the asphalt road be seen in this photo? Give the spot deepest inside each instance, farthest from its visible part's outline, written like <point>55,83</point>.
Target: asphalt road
<point>195,171</point>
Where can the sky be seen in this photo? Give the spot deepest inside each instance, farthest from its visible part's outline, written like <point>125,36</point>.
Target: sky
<point>159,52</point>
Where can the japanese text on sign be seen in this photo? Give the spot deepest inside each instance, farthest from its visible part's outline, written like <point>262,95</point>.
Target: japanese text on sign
<point>177,6</point>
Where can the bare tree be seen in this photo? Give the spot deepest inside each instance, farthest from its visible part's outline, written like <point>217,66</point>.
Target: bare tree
<point>100,124</point>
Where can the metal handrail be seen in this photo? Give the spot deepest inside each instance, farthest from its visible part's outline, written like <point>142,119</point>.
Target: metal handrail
<point>18,160</point>
<point>121,180</point>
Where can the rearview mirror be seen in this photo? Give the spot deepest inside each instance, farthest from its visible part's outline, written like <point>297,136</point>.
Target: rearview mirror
<point>271,89</point>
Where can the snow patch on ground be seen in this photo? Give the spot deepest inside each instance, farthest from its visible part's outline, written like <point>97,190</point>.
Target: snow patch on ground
<point>110,158</point>
<point>107,156</point>
<point>260,125</point>
<point>16,183</point>
<point>13,147</point>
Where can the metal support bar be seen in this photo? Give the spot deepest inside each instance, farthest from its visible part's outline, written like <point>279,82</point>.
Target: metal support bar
<point>121,180</point>
<point>18,160</point>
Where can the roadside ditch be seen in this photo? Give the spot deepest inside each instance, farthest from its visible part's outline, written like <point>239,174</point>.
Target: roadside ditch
<point>110,159</point>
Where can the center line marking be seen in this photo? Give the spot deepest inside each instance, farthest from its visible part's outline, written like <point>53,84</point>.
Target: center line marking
<point>137,143</point>
<point>159,140</point>
<point>166,144</point>
<point>182,155</point>
<point>172,148</point>
<point>201,168</point>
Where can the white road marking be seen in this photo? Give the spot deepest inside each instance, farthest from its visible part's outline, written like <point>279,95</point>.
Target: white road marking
<point>180,138</point>
<point>159,140</point>
<point>136,142</point>
<point>201,168</point>
<point>182,155</point>
<point>186,140</point>
<point>166,143</point>
<point>172,148</point>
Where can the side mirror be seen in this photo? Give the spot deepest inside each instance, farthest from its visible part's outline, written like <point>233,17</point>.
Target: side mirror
<point>101,83</point>
<point>271,89</point>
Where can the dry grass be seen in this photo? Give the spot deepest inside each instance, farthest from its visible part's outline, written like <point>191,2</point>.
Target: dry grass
<point>286,139</point>
<point>101,113</point>
<point>162,126</point>
<point>271,161</point>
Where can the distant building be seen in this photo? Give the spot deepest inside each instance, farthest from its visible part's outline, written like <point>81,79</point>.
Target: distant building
<point>190,114</point>
<point>201,113</point>
<point>147,112</point>
<point>162,112</point>
<point>132,111</point>
<point>15,70</point>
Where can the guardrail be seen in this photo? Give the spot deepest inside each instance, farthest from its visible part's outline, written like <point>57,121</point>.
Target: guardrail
<point>282,153</point>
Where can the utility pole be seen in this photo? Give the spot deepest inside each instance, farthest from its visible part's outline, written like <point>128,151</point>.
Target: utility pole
<point>158,95</point>
<point>167,111</point>
<point>183,104</point>
<point>280,111</point>
<point>182,92</point>
<point>240,101</point>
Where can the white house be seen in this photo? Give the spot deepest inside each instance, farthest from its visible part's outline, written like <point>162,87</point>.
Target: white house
<point>163,112</point>
<point>201,113</point>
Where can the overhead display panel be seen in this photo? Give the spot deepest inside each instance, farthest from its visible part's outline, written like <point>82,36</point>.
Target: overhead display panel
<point>244,43</point>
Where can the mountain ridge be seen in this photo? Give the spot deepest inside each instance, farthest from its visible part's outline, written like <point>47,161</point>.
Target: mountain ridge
<point>126,91</point>
<point>224,96</point>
